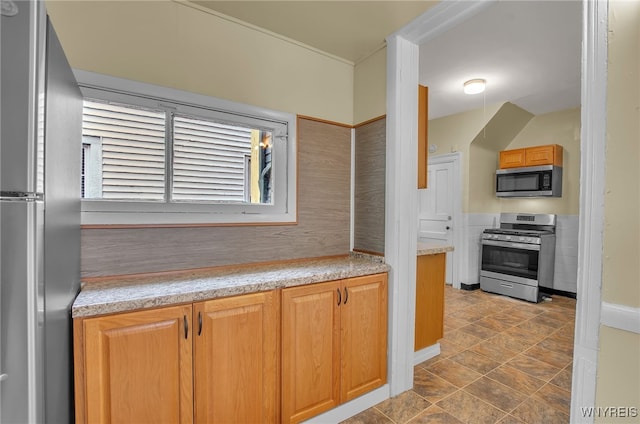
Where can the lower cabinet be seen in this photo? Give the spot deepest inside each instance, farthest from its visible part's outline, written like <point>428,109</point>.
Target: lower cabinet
<point>430,276</point>
<point>211,362</point>
<point>137,368</point>
<point>220,361</point>
<point>237,359</point>
<point>334,344</point>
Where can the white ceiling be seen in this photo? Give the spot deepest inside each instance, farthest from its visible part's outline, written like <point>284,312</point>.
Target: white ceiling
<point>528,51</point>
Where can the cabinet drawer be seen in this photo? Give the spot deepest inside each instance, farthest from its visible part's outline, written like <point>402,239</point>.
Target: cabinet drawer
<point>508,288</point>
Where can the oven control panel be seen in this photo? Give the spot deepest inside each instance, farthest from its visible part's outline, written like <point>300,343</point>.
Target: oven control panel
<point>511,238</point>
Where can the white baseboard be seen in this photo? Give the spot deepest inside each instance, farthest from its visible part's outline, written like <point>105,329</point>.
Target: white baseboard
<point>621,317</point>
<point>426,353</point>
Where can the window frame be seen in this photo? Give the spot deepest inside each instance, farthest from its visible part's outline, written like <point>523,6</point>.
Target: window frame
<point>123,213</point>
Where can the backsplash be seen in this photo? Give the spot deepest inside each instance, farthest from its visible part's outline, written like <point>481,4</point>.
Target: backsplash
<point>324,176</point>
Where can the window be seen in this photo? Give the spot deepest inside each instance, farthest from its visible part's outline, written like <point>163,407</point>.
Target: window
<point>153,155</point>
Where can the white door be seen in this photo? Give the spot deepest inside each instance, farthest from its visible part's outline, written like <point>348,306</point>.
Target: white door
<point>437,214</point>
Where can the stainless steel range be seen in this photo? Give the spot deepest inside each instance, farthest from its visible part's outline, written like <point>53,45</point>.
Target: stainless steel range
<point>518,258</point>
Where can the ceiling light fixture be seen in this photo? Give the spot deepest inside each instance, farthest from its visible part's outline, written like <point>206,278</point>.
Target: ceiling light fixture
<point>474,86</point>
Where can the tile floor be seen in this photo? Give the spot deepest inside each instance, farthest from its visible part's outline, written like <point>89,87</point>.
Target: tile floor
<point>502,361</point>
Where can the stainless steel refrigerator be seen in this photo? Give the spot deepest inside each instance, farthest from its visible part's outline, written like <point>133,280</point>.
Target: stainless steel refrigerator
<point>40,121</point>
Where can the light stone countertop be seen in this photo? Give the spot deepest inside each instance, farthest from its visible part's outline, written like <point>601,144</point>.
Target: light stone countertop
<point>430,248</point>
<point>132,293</point>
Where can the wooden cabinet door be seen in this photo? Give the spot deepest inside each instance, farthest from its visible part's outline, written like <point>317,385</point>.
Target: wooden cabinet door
<point>512,158</point>
<point>363,316</point>
<point>138,367</point>
<point>310,350</point>
<point>544,155</point>
<point>423,134</point>
<point>430,273</point>
<point>236,359</point>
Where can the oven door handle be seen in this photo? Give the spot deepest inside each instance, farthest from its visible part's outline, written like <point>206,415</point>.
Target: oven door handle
<point>511,244</point>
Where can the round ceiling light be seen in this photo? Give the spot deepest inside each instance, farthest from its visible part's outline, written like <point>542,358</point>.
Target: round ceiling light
<point>474,86</point>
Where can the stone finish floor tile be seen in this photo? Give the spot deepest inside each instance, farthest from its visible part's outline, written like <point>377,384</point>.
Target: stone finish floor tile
<point>497,394</point>
<point>493,323</point>
<point>369,416</point>
<point>556,359</point>
<point>454,372</point>
<point>461,338</point>
<point>455,323</point>
<point>431,387</point>
<point>556,397</point>
<point>534,411</point>
<point>534,328</point>
<point>448,348</point>
<point>518,380</point>
<point>527,336</point>
<point>468,314</point>
<point>469,409</point>
<point>507,318</point>
<point>547,321</point>
<point>502,360</point>
<point>493,351</point>
<point>475,361</point>
<point>435,415</point>
<point>510,419</point>
<point>560,346</point>
<point>563,379</point>
<point>403,407</point>
<point>533,367</point>
<point>509,342</point>
<point>478,331</point>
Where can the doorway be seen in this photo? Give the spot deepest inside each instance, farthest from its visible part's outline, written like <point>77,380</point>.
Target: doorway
<point>402,54</point>
<point>440,210</point>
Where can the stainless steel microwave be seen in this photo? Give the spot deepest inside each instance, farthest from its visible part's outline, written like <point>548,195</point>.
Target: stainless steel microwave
<point>530,181</point>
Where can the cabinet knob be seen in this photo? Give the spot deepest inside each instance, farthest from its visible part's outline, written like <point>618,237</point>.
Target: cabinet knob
<point>339,296</point>
<point>186,327</point>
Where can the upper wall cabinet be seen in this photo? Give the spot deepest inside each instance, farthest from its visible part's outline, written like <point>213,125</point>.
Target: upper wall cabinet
<point>531,156</point>
<point>423,121</point>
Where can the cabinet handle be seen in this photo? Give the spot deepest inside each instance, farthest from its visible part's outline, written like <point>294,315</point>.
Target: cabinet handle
<point>186,327</point>
<point>339,296</point>
<point>346,295</point>
<point>199,323</point>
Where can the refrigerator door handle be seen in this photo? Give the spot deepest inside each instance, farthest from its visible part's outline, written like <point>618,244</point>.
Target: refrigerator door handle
<point>20,196</point>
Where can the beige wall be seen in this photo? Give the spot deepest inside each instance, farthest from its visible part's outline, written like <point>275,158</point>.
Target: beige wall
<point>561,128</point>
<point>370,87</point>
<point>465,132</point>
<point>618,381</point>
<point>454,133</point>
<point>622,195</point>
<point>177,45</point>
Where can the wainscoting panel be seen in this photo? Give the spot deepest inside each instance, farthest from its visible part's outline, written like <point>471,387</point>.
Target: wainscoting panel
<point>370,152</point>
<point>324,152</point>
